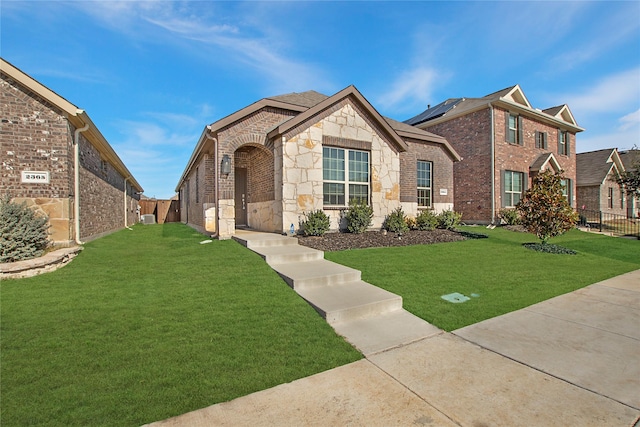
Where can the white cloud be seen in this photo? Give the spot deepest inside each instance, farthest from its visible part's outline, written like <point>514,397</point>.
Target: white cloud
<point>630,121</point>
<point>617,92</point>
<point>411,88</point>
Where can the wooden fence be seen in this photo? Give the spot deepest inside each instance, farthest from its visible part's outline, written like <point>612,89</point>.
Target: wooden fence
<point>163,210</point>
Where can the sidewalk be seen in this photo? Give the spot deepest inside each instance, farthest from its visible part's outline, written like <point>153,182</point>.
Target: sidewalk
<point>570,361</point>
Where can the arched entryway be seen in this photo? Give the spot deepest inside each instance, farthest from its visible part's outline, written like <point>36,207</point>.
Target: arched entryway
<point>254,187</point>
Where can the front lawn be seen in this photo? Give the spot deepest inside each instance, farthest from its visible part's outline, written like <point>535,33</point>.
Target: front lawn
<point>505,275</point>
<point>148,324</point>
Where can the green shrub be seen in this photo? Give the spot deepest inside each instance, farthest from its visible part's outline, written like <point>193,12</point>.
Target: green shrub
<point>449,220</point>
<point>23,234</point>
<point>411,223</point>
<point>316,223</point>
<point>359,216</point>
<point>473,235</point>
<point>396,221</point>
<point>426,220</point>
<point>510,216</point>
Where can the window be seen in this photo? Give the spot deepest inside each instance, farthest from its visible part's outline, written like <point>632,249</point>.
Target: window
<point>567,189</point>
<point>424,183</point>
<point>563,142</point>
<point>621,198</point>
<point>541,140</point>
<point>513,134</point>
<point>610,198</point>
<point>512,188</point>
<point>345,180</point>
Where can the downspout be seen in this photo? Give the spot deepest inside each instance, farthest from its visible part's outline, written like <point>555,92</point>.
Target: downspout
<point>125,203</point>
<point>217,181</point>
<point>493,166</point>
<point>76,181</point>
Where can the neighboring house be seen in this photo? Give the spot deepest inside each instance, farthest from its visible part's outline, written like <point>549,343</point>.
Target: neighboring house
<point>503,142</point>
<point>596,182</point>
<point>631,161</point>
<point>85,193</point>
<point>268,164</point>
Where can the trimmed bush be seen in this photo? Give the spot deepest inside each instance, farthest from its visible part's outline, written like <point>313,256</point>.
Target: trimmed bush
<point>426,220</point>
<point>396,221</point>
<point>23,233</point>
<point>549,248</point>
<point>449,220</point>
<point>359,217</point>
<point>510,216</point>
<point>316,223</point>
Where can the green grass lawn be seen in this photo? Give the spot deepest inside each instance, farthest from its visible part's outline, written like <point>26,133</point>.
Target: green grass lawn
<point>147,324</point>
<point>504,274</point>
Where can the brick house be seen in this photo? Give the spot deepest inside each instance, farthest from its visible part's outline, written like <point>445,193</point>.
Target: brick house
<point>43,138</point>
<point>631,160</point>
<point>267,164</point>
<point>503,142</point>
<point>597,188</point>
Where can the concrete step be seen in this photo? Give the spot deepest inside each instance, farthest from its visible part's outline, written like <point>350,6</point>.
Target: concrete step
<point>288,253</point>
<point>375,334</point>
<point>253,239</point>
<point>300,275</point>
<point>350,301</point>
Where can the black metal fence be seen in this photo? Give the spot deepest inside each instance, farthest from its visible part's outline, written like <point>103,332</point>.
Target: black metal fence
<point>618,225</point>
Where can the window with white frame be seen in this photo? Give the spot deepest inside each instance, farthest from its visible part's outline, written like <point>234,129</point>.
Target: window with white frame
<point>567,189</point>
<point>424,181</point>
<point>513,188</point>
<point>563,142</point>
<point>346,176</point>
<point>513,131</point>
<point>610,198</point>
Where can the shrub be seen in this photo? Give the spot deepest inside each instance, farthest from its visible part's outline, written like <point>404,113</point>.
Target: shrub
<point>449,220</point>
<point>23,233</point>
<point>426,220</point>
<point>473,235</point>
<point>510,216</point>
<point>549,248</point>
<point>396,221</point>
<point>544,209</point>
<point>316,223</point>
<point>359,216</point>
<point>411,223</point>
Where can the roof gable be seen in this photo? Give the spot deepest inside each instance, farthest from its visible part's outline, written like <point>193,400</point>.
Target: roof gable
<point>561,112</point>
<point>593,168</point>
<point>544,162</point>
<point>349,92</point>
<point>516,96</point>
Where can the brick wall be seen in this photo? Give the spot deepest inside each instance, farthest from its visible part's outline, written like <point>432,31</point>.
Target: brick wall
<point>102,205</point>
<point>470,136</point>
<point>34,136</point>
<point>442,171</point>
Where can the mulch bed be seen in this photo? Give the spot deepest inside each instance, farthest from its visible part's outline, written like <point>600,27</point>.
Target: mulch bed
<point>377,239</point>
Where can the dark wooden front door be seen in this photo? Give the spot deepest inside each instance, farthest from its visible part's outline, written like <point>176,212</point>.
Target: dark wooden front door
<point>241,196</point>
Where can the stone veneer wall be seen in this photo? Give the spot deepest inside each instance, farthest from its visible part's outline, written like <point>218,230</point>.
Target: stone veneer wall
<point>302,181</point>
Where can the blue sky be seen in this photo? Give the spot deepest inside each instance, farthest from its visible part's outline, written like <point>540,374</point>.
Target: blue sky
<point>152,74</point>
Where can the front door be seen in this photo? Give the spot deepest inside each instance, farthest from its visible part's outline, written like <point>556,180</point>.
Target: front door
<point>241,196</point>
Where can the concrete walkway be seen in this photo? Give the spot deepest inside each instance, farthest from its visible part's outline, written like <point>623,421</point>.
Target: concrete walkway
<point>573,360</point>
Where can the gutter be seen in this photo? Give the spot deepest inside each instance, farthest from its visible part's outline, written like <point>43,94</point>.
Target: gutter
<point>76,180</point>
<point>208,129</point>
<point>493,165</point>
<point>124,190</point>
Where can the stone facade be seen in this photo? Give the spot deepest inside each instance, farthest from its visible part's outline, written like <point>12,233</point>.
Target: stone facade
<point>37,135</point>
<point>284,169</point>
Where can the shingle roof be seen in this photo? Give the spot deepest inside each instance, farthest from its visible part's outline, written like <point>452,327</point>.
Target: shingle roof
<point>552,111</point>
<point>630,158</point>
<point>592,168</point>
<point>303,99</point>
<point>433,112</point>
